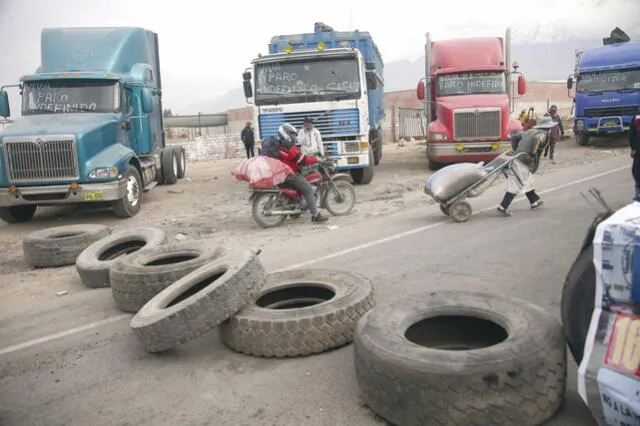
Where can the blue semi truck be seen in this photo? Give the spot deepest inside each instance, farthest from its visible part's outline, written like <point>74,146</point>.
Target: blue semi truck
<point>334,78</point>
<point>91,129</point>
<point>607,90</point>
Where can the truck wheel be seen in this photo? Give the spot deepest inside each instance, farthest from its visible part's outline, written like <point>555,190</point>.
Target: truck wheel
<point>60,245</point>
<point>169,166</point>
<point>376,137</point>
<point>131,203</point>
<point>364,176</point>
<point>434,165</point>
<point>578,302</point>
<point>583,140</point>
<point>181,160</point>
<point>94,262</point>
<point>137,278</point>
<point>300,312</point>
<point>460,358</point>
<point>199,301</point>
<point>18,214</point>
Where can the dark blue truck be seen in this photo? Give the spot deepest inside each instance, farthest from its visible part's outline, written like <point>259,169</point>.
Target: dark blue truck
<point>91,129</point>
<point>607,90</point>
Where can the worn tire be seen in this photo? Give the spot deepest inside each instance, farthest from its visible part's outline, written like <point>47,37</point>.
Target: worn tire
<point>280,333</point>
<point>364,176</point>
<point>94,262</point>
<point>60,245</point>
<point>18,214</point>
<point>520,380</point>
<point>124,207</point>
<point>137,278</point>
<point>578,302</point>
<point>199,301</point>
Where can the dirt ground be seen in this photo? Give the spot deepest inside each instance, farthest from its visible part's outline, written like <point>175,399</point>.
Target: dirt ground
<point>210,203</point>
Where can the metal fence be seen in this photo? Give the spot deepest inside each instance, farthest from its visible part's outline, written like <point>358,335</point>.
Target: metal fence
<point>412,123</point>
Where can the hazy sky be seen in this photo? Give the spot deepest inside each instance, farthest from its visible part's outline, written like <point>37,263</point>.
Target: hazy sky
<point>204,49</point>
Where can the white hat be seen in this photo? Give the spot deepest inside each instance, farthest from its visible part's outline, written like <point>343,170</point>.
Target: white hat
<point>545,123</point>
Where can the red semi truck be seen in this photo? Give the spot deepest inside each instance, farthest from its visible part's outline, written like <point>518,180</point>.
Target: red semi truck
<point>468,98</point>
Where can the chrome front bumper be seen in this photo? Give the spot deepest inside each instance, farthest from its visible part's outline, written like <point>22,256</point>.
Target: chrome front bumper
<point>63,194</point>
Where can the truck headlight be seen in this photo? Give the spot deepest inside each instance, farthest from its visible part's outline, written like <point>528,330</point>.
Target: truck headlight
<point>438,136</point>
<point>104,173</point>
<point>580,124</point>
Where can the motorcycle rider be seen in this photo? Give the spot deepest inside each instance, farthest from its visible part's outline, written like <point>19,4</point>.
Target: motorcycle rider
<point>282,147</point>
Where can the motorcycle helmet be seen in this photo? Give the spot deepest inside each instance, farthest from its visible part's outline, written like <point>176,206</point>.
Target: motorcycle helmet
<point>287,132</point>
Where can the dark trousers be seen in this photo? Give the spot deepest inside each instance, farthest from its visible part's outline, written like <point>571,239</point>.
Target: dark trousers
<point>300,183</point>
<point>249,148</point>
<point>508,198</point>
<point>550,149</point>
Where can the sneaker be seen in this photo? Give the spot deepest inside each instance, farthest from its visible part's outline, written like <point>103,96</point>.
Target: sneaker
<point>319,218</point>
<point>505,212</point>
<point>536,204</point>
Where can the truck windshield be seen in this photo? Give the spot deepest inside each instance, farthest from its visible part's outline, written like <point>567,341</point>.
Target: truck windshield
<point>608,81</point>
<point>471,83</point>
<point>70,96</point>
<point>307,80</point>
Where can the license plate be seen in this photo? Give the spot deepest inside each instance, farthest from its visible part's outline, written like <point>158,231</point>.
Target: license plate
<point>93,196</point>
<point>353,160</point>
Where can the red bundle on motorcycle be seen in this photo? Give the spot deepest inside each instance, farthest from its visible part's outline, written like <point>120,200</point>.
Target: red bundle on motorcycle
<point>262,171</point>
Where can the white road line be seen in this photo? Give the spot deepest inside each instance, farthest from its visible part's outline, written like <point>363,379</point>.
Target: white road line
<point>76,330</point>
<point>62,334</point>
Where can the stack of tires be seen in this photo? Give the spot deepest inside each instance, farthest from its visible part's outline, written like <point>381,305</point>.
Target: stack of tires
<point>179,291</point>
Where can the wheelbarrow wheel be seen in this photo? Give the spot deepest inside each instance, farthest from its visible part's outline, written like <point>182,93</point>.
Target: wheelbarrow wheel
<point>444,210</point>
<point>460,211</point>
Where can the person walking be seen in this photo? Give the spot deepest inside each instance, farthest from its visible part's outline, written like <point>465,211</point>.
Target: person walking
<point>528,146</point>
<point>248,139</point>
<point>555,134</point>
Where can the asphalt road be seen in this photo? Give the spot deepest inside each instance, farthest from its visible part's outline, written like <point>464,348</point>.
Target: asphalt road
<point>95,373</point>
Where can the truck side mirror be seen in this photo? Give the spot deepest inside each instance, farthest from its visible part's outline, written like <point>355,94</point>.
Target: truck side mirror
<point>147,102</point>
<point>420,91</point>
<point>522,85</point>
<point>248,92</point>
<point>246,76</point>
<point>569,83</point>
<point>372,80</point>
<point>370,66</point>
<point>5,111</point>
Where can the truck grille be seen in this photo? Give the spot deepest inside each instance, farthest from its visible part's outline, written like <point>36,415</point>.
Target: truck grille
<point>332,123</point>
<point>42,158</point>
<point>616,111</point>
<point>477,124</point>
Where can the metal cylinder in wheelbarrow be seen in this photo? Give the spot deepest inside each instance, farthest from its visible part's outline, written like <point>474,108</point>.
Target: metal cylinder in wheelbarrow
<point>453,179</point>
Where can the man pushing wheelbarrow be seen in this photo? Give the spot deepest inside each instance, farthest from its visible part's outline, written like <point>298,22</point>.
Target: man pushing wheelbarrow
<point>452,185</point>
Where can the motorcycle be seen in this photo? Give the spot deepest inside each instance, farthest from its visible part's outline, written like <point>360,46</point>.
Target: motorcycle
<point>333,191</point>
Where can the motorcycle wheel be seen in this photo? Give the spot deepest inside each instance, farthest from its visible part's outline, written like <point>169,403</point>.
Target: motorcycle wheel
<point>258,208</point>
<point>338,207</point>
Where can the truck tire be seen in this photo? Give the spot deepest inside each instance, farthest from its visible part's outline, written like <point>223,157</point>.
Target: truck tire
<point>60,245</point>
<point>375,139</point>
<point>364,176</point>
<point>169,166</point>
<point>182,160</point>
<point>578,302</point>
<point>18,214</point>
<point>199,301</point>
<point>583,140</point>
<point>131,204</point>
<point>300,312</point>
<point>137,278</point>
<point>434,165</point>
<point>94,262</point>
<point>460,358</point>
